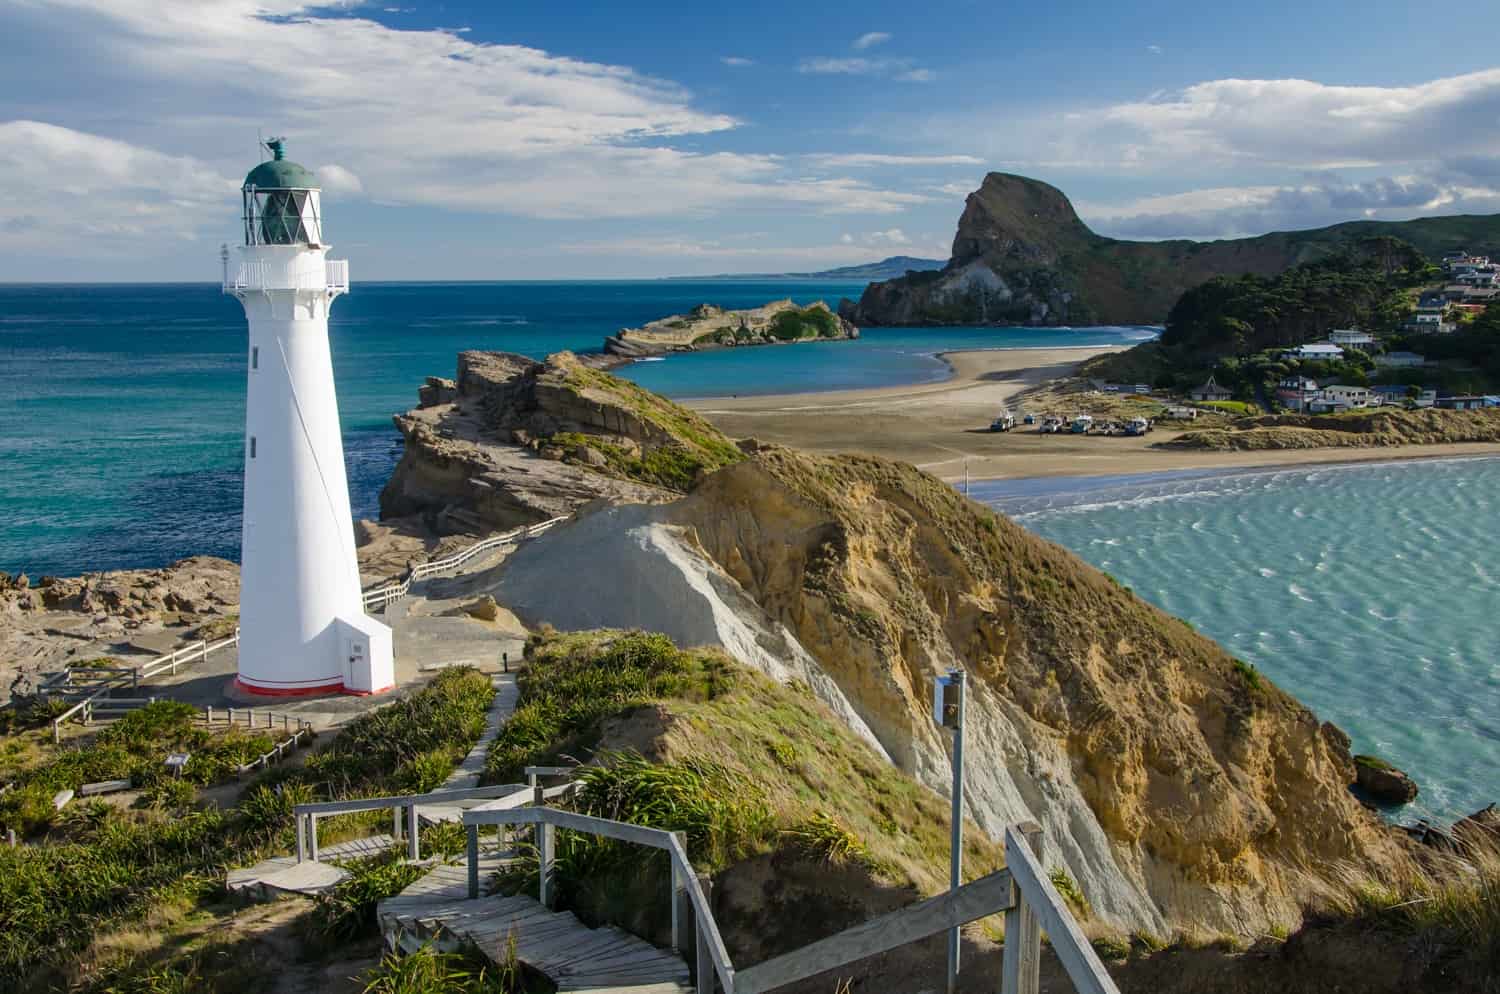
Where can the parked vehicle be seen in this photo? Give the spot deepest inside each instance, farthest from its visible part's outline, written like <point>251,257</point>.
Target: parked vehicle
<point>1004,421</point>
<point>1082,424</point>
<point>1029,419</point>
<point>1136,427</point>
<point>1050,426</point>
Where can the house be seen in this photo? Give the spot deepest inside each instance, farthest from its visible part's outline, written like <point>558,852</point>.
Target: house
<point>1296,392</point>
<point>1347,397</point>
<point>1480,295</point>
<point>1399,395</point>
<point>1467,402</point>
<point>1399,360</point>
<point>1210,391</point>
<point>1316,352</point>
<point>1350,338</point>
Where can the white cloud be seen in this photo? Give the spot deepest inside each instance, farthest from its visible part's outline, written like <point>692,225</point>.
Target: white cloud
<point>870,39</point>
<point>893,236</point>
<point>904,70</point>
<point>1154,49</point>
<point>336,179</point>
<point>859,160</point>
<point>737,61</point>
<point>412,117</point>
<point>1285,123</point>
<point>1227,212</point>
<point>66,190</point>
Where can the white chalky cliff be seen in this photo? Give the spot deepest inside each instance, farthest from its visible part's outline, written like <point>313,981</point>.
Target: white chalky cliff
<point>303,629</point>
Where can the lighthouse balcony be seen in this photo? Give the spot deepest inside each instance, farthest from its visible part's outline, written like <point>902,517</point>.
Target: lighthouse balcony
<point>330,276</point>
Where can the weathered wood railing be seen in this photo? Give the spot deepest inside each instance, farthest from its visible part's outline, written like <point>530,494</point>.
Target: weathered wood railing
<point>1022,891</point>
<point>403,807</point>
<point>688,898</point>
<point>120,677</point>
<point>381,596</point>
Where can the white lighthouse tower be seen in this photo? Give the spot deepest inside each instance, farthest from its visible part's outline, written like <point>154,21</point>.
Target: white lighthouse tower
<point>303,629</point>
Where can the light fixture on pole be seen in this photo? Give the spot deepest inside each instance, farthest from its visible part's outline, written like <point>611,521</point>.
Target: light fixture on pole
<point>948,711</point>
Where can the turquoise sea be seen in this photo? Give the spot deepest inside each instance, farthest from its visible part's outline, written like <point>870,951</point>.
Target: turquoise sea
<point>121,407</point>
<point>1368,591</point>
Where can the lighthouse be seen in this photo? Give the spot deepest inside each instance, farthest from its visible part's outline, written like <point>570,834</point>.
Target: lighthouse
<point>303,628</point>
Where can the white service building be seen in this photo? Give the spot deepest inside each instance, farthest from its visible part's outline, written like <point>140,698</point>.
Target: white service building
<point>303,628</point>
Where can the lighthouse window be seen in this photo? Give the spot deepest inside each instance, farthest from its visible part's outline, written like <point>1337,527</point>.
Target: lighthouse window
<point>255,357</point>
<point>252,446</point>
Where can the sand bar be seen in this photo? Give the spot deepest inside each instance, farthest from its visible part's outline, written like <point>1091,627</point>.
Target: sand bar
<point>943,426</point>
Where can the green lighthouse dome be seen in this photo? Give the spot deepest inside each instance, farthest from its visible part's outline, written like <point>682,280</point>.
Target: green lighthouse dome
<point>282,202</point>
<point>279,173</point>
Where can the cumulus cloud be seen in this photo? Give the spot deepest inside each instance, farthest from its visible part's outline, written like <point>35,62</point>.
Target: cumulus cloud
<point>411,117</point>
<point>65,189</point>
<point>859,160</point>
<point>738,61</point>
<point>903,70</point>
<point>1287,123</point>
<point>336,179</point>
<point>1229,212</point>
<point>870,39</point>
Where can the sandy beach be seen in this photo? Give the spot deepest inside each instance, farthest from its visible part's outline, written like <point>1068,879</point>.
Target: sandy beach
<point>943,427</point>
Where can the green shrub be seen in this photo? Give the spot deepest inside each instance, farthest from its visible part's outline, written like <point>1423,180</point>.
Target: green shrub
<point>427,971</point>
<point>347,910</point>
<point>822,837</point>
<point>565,695</point>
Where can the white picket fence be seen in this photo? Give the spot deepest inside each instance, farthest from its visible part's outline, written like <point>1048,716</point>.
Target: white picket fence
<point>124,677</point>
<point>378,598</point>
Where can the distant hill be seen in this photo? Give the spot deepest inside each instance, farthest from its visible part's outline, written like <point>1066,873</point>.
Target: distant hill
<point>1023,256</point>
<point>885,269</point>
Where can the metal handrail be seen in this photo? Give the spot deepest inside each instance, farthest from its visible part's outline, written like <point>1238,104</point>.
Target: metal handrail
<point>381,596</point>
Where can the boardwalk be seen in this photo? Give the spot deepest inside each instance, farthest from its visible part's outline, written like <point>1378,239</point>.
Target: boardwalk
<point>572,955</point>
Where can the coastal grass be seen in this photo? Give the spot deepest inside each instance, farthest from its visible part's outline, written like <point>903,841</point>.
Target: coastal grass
<point>133,748</point>
<point>103,874</point>
<point>467,971</point>
<point>741,764</point>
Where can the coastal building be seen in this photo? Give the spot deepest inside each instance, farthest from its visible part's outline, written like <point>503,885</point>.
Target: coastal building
<point>1350,338</point>
<point>1467,402</point>
<point>1346,397</point>
<point>1210,391</point>
<point>1314,352</point>
<point>1399,395</point>
<point>303,628</point>
<point>1296,392</point>
<point>1399,360</point>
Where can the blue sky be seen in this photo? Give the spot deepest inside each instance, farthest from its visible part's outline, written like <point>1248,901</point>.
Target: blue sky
<point>565,140</point>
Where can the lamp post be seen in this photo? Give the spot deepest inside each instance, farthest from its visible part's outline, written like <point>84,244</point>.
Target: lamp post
<point>948,711</point>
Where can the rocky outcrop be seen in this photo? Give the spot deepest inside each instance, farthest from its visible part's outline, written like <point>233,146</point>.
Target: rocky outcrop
<point>1383,783</point>
<point>780,322</point>
<point>1178,792</point>
<point>1021,255</point>
<point>521,441</point>
<point>61,620</point>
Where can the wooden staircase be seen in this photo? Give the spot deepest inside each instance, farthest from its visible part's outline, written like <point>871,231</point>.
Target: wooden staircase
<point>437,909</point>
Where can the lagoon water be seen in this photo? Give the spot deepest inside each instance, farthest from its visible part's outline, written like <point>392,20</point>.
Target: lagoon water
<point>121,407</point>
<point>1371,592</point>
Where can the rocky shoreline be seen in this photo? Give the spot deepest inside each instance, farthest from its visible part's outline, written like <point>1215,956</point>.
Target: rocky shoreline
<point>708,327</point>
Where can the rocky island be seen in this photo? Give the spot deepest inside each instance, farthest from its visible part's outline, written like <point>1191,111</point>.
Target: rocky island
<point>1022,256</point>
<point>709,327</point>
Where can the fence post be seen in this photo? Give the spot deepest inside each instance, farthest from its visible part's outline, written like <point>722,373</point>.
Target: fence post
<point>301,837</point>
<point>56,731</point>
<point>546,839</point>
<point>312,834</point>
<point>682,909</point>
<point>208,715</point>
<point>229,715</point>
<point>396,822</point>
<point>413,843</point>
<point>471,850</point>
<point>703,973</point>
<point>1021,970</point>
